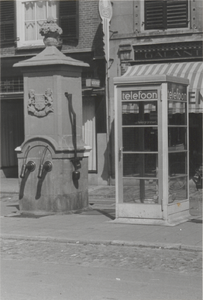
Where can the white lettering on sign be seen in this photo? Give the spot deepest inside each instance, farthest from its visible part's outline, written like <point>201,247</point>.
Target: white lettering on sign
<point>140,95</point>
<point>192,98</point>
<point>177,92</point>
<point>177,95</point>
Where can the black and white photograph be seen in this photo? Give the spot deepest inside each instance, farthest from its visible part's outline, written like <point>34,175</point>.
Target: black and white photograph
<point>101,170</point>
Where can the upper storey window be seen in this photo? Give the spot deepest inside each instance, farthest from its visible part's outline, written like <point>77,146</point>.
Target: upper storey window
<point>36,13</point>
<point>31,15</point>
<point>165,14</point>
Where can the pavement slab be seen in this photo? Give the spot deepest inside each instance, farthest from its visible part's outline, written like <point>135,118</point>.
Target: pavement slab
<point>94,225</point>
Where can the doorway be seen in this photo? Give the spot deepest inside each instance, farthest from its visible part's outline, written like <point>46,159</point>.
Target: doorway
<point>12,135</point>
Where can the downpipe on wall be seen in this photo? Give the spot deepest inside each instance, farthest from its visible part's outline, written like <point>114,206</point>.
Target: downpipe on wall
<point>76,160</point>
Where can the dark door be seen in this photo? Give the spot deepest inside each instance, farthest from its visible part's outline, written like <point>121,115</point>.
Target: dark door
<point>12,134</point>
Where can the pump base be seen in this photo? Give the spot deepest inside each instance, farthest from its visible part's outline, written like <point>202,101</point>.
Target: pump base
<point>51,187</point>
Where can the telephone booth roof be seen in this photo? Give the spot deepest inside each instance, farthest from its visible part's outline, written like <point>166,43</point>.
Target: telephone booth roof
<point>150,79</point>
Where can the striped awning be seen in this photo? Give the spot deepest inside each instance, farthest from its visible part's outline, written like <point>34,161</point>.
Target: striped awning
<point>190,70</point>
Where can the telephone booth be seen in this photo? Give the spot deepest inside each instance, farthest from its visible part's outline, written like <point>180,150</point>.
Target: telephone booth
<point>151,150</point>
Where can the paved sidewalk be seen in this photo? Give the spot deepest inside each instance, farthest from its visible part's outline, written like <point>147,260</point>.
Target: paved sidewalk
<point>95,225</point>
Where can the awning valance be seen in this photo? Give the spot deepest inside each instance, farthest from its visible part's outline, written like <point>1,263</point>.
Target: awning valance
<point>190,70</point>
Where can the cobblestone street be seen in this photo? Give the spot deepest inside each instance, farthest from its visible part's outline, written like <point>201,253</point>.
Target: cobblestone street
<point>128,257</point>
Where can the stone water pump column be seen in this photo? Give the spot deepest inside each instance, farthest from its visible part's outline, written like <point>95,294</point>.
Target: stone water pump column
<point>53,159</point>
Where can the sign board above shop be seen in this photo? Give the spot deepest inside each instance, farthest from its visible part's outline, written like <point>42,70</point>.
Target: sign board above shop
<point>93,83</point>
<point>160,52</point>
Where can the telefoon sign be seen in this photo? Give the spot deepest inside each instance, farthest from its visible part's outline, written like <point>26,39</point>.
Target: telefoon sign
<point>140,95</point>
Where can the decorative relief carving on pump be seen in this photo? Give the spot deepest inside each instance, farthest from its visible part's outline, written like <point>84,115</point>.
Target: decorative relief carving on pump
<point>40,105</point>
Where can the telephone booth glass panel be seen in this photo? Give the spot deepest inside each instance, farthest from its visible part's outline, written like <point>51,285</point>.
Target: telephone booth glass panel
<point>140,151</point>
<point>177,144</point>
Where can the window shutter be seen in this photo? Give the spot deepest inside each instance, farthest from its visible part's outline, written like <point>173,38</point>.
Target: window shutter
<point>7,21</point>
<point>68,18</point>
<point>166,14</point>
<point>177,14</point>
<point>154,15</point>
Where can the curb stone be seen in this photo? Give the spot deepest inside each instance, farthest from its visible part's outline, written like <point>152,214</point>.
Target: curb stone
<point>104,242</point>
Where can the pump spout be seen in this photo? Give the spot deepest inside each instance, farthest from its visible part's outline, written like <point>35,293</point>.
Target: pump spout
<point>30,167</point>
<point>23,169</point>
<point>40,171</point>
<point>22,173</point>
<point>41,166</point>
<point>46,167</point>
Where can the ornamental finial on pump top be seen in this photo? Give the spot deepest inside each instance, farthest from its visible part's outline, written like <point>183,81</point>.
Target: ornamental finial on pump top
<point>51,32</point>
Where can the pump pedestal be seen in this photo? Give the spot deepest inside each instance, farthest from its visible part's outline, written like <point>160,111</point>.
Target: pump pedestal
<point>53,168</point>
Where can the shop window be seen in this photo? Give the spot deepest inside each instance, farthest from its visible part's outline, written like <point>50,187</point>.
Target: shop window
<point>31,15</point>
<point>7,21</point>
<point>165,14</point>
<point>11,84</point>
